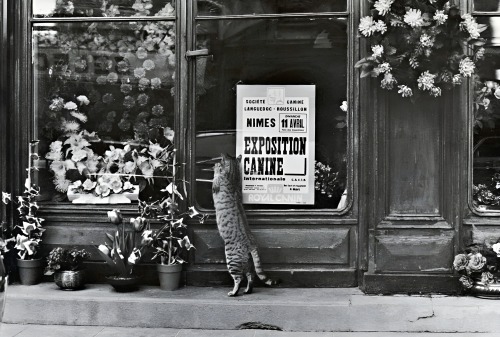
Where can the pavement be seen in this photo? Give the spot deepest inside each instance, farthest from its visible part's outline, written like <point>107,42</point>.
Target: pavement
<point>45,311</point>
<point>19,330</point>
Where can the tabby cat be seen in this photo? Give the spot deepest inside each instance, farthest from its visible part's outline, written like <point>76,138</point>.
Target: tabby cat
<point>240,246</point>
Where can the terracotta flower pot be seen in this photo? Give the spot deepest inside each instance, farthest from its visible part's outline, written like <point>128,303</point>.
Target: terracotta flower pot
<point>169,276</point>
<point>70,279</point>
<point>30,271</point>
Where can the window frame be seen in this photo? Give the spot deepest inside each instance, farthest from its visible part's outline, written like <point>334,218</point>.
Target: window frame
<point>469,8</point>
<point>23,128</point>
<point>323,215</point>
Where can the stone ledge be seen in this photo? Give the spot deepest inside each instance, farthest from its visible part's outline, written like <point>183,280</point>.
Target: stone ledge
<point>292,309</point>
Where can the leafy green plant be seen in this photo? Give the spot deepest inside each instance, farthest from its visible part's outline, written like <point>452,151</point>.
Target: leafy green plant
<point>65,259</point>
<point>26,236</point>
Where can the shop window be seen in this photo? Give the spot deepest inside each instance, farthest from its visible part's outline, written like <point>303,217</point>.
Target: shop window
<point>276,50</point>
<point>104,95</point>
<point>486,122</point>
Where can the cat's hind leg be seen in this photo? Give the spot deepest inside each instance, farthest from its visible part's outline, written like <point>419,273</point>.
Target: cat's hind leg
<point>249,287</point>
<point>249,274</point>
<point>237,284</point>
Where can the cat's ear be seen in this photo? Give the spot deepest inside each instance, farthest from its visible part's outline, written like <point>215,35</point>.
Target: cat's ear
<point>239,158</point>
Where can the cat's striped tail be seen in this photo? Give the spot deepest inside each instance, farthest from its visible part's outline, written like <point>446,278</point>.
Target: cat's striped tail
<point>259,271</point>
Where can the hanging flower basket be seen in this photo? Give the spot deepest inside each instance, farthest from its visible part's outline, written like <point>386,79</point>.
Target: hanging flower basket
<point>420,45</point>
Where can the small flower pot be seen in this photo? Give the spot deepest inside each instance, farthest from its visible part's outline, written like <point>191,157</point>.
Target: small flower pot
<point>30,271</point>
<point>490,291</point>
<point>123,284</point>
<point>169,276</point>
<point>70,279</point>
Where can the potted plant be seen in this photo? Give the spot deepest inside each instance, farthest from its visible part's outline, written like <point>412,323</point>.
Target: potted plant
<point>26,236</point>
<point>67,267</point>
<point>170,242</point>
<point>120,255</point>
<point>479,267</point>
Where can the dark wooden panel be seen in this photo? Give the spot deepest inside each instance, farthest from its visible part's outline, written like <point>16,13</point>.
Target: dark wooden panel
<point>415,253</point>
<point>413,173</point>
<point>287,246</point>
<point>410,284</point>
<point>203,276</point>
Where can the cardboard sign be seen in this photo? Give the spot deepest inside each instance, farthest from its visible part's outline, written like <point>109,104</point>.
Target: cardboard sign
<point>275,137</point>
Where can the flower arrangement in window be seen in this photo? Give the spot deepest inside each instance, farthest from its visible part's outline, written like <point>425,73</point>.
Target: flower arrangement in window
<point>78,169</point>
<point>424,45</point>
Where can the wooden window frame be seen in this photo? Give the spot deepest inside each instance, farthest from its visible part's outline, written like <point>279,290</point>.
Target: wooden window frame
<point>22,107</point>
<point>468,6</point>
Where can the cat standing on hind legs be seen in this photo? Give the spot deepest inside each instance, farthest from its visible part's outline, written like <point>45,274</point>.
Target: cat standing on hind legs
<point>240,247</point>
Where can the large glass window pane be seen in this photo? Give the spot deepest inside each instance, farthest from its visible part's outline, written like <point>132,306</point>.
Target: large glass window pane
<point>242,7</point>
<point>98,87</point>
<point>486,151</point>
<point>100,8</point>
<point>487,5</point>
<point>273,51</point>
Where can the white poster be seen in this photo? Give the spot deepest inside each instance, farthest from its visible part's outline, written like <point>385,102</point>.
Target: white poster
<point>275,137</point>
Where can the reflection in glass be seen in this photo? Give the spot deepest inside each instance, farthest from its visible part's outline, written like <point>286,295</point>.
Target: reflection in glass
<point>99,8</point>
<point>272,51</point>
<point>242,7</point>
<point>487,5</point>
<point>97,86</point>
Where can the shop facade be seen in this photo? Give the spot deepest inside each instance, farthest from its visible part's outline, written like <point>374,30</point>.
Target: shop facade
<point>396,183</point>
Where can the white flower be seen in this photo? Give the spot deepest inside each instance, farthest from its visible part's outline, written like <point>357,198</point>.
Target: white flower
<point>457,79</point>
<point>383,68</point>
<point>70,106</point>
<point>378,50</point>
<point>104,249</point>
<point>466,67</point>
<point>102,190</point>
<point>57,104</point>
<point>367,26</point>
<point>413,17</point>
<point>497,93</point>
<point>383,6</point>
<point>405,91</point>
<point>426,41</point>
<point>79,155</point>
<point>6,197</point>
<point>58,167</point>
<point>440,17</point>
<point>89,185</point>
<point>380,26</point>
<point>388,81</point>
<point>496,248</point>
<point>61,184</point>
<point>470,25</point>
<point>128,185</point>
<point>426,81</point>
<point>435,91</point>
<point>139,72</point>
<point>343,107</point>
<point>83,100</point>
<point>80,116</point>
<point>70,126</point>
<point>486,102</point>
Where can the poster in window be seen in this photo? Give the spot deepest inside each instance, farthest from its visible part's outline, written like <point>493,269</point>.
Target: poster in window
<point>275,138</point>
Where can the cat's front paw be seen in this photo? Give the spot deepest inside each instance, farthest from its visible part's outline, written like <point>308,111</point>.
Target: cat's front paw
<point>232,293</point>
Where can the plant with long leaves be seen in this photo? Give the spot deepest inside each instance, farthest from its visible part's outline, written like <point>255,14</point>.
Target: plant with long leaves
<point>26,236</point>
<point>120,251</point>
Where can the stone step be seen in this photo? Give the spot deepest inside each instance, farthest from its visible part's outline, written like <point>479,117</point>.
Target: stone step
<point>292,309</point>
